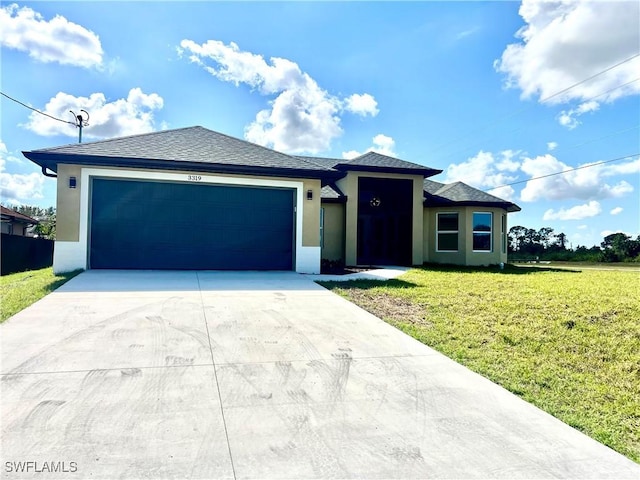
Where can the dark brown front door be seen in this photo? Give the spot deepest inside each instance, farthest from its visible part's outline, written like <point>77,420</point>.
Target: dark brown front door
<point>385,213</point>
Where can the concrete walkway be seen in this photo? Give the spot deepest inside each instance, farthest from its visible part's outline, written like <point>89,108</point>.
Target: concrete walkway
<point>255,375</point>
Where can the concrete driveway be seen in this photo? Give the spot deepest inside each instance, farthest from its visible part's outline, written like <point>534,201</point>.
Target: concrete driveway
<point>255,375</point>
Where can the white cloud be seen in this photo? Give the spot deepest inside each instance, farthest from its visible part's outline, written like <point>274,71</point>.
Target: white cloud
<point>565,42</point>
<point>582,227</point>
<point>121,117</point>
<point>622,168</point>
<point>56,40</point>
<point>578,212</point>
<point>487,171</point>
<point>303,117</point>
<point>381,144</point>
<point>616,210</point>
<point>569,118</point>
<point>606,233</point>
<point>551,146</point>
<point>363,104</point>
<point>14,187</point>
<point>466,33</point>
<point>585,183</point>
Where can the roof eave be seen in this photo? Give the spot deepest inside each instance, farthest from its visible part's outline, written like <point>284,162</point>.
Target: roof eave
<point>333,200</point>
<point>508,206</point>
<point>426,172</point>
<point>52,160</point>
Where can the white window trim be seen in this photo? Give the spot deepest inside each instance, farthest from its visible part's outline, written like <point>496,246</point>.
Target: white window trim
<point>490,233</point>
<point>503,233</point>
<point>438,232</point>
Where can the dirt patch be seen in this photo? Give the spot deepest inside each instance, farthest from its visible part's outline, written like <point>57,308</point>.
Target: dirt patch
<point>389,307</point>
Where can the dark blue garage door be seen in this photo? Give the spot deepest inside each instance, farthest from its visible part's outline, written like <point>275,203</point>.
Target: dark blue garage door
<point>156,225</point>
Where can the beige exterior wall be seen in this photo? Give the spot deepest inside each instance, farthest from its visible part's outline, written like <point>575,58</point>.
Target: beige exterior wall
<point>349,186</point>
<point>465,254</point>
<point>333,234</point>
<point>311,213</point>
<point>68,204</point>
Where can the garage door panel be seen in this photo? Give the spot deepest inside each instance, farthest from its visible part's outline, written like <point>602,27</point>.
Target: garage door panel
<point>153,225</point>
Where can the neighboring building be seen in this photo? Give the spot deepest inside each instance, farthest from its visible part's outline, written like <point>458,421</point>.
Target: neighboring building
<point>192,198</point>
<point>14,223</point>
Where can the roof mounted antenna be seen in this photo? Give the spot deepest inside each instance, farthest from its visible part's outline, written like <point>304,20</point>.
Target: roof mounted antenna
<point>80,122</point>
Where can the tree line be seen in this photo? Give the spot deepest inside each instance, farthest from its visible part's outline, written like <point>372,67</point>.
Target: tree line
<point>544,244</point>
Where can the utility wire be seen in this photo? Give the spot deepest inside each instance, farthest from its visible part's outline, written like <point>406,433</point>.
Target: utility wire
<point>590,78</point>
<point>564,171</point>
<point>36,110</point>
<point>517,112</point>
<point>466,148</point>
<point>603,137</point>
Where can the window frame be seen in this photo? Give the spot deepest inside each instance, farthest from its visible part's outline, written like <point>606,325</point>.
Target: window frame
<point>438,232</point>
<point>482,232</point>
<point>503,232</point>
<point>321,227</point>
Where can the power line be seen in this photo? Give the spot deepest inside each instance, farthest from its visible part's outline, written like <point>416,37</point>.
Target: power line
<point>605,136</point>
<point>36,110</point>
<point>564,171</point>
<point>466,148</point>
<point>590,78</point>
<point>517,112</point>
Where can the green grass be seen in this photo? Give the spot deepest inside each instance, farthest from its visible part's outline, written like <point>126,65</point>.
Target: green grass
<point>19,290</point>
<point>566,341</point>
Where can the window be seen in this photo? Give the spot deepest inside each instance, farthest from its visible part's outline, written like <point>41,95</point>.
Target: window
<point>447,235</point>
<point>504,233</point>
<point>322,228</point>
<point>482,222</point>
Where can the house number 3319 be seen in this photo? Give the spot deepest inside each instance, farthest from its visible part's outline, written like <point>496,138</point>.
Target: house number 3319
<point>194,178</point>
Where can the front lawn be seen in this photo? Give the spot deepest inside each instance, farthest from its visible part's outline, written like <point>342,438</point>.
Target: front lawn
<point>566,341</point>
<point>19,290</point>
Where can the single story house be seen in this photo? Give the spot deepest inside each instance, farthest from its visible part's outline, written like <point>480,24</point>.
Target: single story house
<point>192,198</point>
<point>15,223</point>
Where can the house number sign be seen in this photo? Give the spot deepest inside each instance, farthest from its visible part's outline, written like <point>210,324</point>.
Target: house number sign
<point>194,178</point>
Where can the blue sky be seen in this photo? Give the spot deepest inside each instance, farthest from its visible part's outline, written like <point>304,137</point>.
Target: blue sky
<point>471,88</point>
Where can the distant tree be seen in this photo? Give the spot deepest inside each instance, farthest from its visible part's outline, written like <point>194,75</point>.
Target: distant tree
<point>560,242</point>
<point>544,236</point>
<point>516,238</point>
<point>618,247</point>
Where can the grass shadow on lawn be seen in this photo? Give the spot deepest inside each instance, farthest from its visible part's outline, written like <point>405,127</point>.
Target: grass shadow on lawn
<point>19,290</point>
<point>509,269</point>
<point>404,284</point>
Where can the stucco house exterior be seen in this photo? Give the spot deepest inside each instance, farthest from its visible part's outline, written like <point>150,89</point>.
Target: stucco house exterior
<point>15,223</point>
<point>193,198</point>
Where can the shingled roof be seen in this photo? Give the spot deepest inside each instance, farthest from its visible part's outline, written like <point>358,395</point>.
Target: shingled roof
<point>198,148</point>
<point>461,194</point>
<point>10,214</point>
<point>373,161</point>
<point>183,148</point>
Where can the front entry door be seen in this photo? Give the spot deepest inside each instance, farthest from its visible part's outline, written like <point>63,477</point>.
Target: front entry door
<point>385,213</point>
